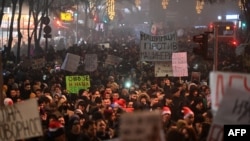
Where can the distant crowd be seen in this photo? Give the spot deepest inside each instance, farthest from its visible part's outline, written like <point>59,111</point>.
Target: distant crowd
<point>93,114</point>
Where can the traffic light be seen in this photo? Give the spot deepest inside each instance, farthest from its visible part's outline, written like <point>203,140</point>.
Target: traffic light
<point>202,40</point>
<point>47,29</point>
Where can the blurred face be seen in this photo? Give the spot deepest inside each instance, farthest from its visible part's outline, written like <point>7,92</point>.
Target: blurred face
<point>38,93</point>
<point>167,82</point>
<point>106,102</point>
<point>27,87</point>
<point>61,120</point>
<point>57,90</point>
<point>97,94</point>
<point>115,95</point>
<point>195,93</point>
<point>154,86</point>
<point>166,117</point>
<point>130,104</point>
<point>154,100</point>
<point>133,97</point>
<point>91,131</point>
<point>160,95</point>
<point>13,93</point>
<point>144,87</point>
<point>108,90</point>
<point>76,128</point>
<point>190,119</point>
<point>101,126</point>
<point>168,101</point>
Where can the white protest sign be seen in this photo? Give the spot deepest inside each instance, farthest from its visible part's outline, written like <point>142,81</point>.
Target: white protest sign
<point>141,126</point>
<point>90,62</point>
<point>71,62</point>
<point>179,64</point>
<point>113,60</point>
<point>234,109</point>
<point>219,82</point>
<point>163,68</point>
<point>20,121</point>
<point>158,48</point>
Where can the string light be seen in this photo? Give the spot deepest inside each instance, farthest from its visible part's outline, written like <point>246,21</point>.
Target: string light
<point>241,4</point>
<point>137,3</point>
<point>199,6</point>
<point>110,9</point>
<point>164,4</point>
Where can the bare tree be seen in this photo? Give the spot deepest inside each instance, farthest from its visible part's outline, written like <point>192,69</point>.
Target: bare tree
<point>14,4</point>
<point>37,10</point>
<point>19,30</point>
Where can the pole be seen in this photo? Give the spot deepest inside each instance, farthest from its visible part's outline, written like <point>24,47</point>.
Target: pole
<point>77,3</point>
<point>1,82</point>
<point>2,37</point>
<point>216,48</point>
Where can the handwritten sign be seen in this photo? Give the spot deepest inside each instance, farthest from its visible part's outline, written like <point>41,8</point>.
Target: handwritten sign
<point>71,62</point>
<point>221,81</point>
<point>163,68</point>
<point>157,48</point>
<point>141,126</point>
<point>179,64</point>
<point>75,83</point>
<point>90,62</point>
<point>38,63</point>
<point>20,121</point>
<point>234,109</point>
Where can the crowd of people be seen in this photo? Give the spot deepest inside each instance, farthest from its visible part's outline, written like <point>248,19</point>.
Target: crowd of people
<point>93,114</point>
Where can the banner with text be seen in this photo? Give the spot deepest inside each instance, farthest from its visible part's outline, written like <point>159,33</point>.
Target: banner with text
<point>163,69</point>
<point>179,64</point>
<point>75,83</point>
<point>158,48</point>
<point>20,121</point>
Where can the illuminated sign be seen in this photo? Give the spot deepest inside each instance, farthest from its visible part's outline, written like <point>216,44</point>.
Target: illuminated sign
<point>66,16</point>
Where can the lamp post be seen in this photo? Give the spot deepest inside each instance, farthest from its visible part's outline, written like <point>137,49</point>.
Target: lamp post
<point>1,82</point>
<point>216,48</point>
<point>77,6</point>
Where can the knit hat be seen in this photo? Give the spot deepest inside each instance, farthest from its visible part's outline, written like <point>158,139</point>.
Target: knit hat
<point>187,112</point>
<point>166,110</point>
<point>55,129</point>
<point>8,102</point>
<point>73,120</point>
